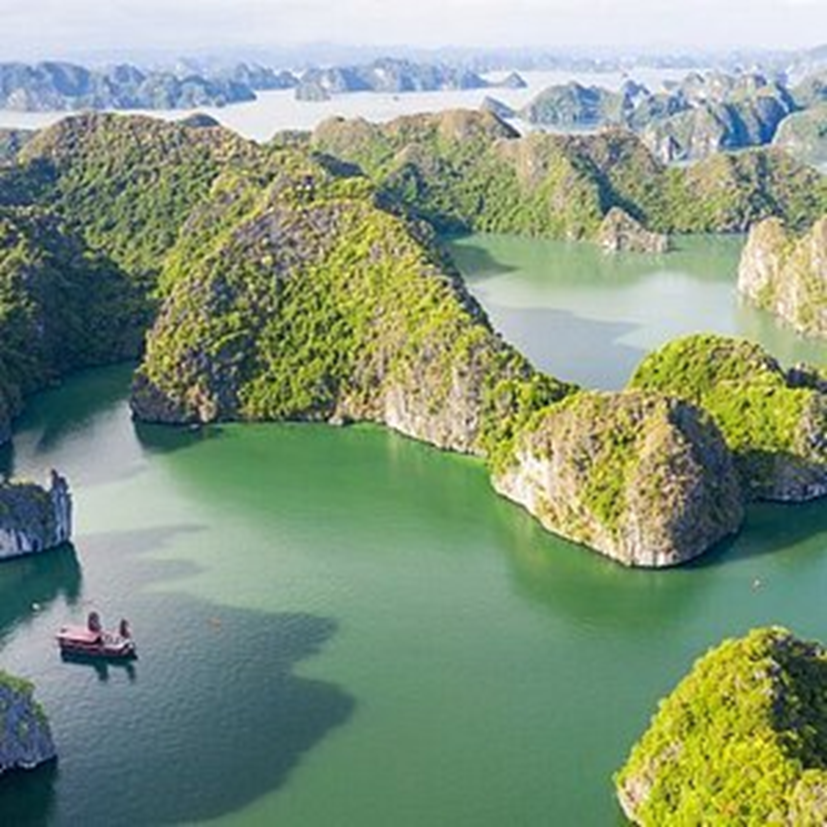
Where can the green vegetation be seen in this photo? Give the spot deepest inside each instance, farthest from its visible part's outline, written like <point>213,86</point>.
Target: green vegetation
<point>126,184</point>
<point>25,737</point>
<point>11,142</point>
<point>86,215</point>
<point>17,685</point>
<point>292,295</point>
<point>742,740</point>
<point>774,427</point>
<point>470,171</point>
<point>281,283</point>
<point>729,192</point>
<point>62,307</point>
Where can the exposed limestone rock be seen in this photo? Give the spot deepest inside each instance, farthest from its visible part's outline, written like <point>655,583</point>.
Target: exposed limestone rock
<point>804,135</point>
<point>497,107</point>
<point>25,737</point>
<point>620,233</point>
<point>513,80</point>
<point>32,518</point>
<point>787,275</point>
<point>642,478</point>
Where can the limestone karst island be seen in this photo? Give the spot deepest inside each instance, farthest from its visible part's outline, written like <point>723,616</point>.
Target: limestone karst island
<point>385,430</point>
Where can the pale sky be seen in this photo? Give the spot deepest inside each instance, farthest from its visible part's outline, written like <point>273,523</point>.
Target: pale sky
<point>53,28</point>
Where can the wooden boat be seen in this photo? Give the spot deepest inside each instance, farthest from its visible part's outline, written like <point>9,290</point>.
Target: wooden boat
<point>93,640</point>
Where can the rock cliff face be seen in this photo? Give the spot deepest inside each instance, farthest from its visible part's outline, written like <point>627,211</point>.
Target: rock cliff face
<point>775,423</point>
<point>25,737</point>
<point>11,142</point>
<point>620,233</point>
<point>497,108</point>
<point>644,479</point>
<point>741,740</point>
<point>804,135</point>
<point>787,274</point>
<point>32,518</point>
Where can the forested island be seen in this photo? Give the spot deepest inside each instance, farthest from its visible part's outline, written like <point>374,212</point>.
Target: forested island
<point>741,740</point>
<point>283,282</point>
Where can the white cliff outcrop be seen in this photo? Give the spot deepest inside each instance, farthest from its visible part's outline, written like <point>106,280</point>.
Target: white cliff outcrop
<point>787,275</point>
<point>34,518</point>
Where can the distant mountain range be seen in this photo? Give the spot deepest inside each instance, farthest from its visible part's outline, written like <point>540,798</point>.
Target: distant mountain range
<point>390,75</point>
<point>67,86</point>
<point>687,120</point>
<point>53,85</point>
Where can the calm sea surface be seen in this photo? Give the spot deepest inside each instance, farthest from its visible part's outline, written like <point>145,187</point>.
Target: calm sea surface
<point>279,109</point>
<point>345,627</point>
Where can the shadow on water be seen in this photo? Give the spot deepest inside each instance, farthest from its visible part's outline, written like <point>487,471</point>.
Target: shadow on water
<point>592,591</point>
<point>82,397</point>
<point>211,717</point>
<point>27,798</point>
<point>767,528</point>
<point>164,439</point>
<point>568,346</point>
<point>596,592</point>
<point>474,259</point>
<point>214,719</point>
<point>31,583</point>
<point>102,666</point>
<point>6,460</point>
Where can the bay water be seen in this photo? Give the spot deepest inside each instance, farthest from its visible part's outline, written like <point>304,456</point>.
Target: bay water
<point>345,627</point>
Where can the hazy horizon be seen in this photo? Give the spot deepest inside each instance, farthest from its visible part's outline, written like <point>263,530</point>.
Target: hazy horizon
<point>43,29</point>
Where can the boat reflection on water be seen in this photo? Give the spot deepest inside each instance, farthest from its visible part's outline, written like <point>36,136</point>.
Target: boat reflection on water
<point>103,666</point>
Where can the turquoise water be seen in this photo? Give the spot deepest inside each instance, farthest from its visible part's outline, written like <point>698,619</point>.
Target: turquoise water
<point>590,317</point>
<point>345,627</point>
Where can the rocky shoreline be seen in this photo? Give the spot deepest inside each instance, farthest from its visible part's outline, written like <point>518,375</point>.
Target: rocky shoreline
<point>25,736</point>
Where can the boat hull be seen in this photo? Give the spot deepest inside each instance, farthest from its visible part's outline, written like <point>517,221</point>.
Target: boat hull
<point>103,651</point>
<point>90,643</point>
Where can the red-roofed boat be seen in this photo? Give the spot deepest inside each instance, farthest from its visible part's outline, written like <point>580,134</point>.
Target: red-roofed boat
<point>93,640</point>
